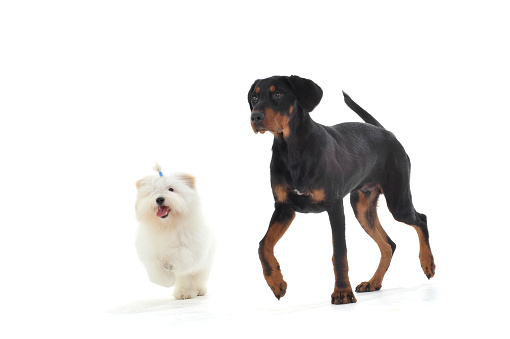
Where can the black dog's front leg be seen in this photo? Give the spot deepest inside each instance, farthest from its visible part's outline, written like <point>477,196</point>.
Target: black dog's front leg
<point>280,222</point>
<point>342,293</point>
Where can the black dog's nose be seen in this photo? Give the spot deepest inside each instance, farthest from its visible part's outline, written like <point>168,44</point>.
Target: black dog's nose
<point>257,117</point>
<point>160,200</point>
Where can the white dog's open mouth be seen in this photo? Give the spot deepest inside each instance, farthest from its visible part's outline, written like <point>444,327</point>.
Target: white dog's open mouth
<point>163,211</point>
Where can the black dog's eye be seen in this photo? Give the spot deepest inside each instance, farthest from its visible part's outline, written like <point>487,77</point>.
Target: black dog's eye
<point>254,99</point>
<point>171,189</point>
<point>278,95</point>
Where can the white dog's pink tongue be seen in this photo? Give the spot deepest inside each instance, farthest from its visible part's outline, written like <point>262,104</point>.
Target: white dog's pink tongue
<point>162,211</point>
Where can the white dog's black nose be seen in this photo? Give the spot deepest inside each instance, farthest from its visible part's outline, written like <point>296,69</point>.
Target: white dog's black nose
<point>160,201</point>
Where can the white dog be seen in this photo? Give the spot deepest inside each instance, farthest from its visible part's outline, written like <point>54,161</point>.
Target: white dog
<point>173,241</point>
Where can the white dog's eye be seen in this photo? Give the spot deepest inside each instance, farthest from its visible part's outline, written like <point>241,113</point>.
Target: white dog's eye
<point>171,189</point>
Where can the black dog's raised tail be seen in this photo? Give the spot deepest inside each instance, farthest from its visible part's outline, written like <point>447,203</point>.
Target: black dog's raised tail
<point>360,111</point>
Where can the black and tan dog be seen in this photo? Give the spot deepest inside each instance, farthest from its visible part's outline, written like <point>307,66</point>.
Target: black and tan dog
<point>314,167</point>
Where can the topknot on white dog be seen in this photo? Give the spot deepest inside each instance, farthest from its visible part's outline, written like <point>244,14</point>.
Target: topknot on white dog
<point>157,168</point>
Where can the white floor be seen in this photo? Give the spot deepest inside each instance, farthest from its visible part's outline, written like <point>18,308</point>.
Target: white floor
<point>120,302</point>
<point>421,311</point>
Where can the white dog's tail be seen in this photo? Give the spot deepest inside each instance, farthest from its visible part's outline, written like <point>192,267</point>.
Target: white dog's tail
<point>157,168</point>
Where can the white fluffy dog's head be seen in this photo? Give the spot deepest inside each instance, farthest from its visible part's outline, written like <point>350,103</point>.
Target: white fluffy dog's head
<point>162,199</point>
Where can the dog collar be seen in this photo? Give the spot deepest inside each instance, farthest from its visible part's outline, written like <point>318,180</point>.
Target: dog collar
<point>160,174</point>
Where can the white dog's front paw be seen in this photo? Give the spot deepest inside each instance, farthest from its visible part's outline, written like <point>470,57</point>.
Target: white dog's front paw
<point>168,266</point>
<point>162,278</point>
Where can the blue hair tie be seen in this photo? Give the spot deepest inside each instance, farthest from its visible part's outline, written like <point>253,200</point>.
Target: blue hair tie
<point>157,168</point>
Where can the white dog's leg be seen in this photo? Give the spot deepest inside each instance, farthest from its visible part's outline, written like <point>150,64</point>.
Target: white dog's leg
<point>184,288</point>
<point>189,286</point>
<point>200,281</point>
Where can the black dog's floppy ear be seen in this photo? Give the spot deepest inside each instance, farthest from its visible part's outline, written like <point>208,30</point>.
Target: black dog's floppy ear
<point>308,93</point>
<point>249,93</point>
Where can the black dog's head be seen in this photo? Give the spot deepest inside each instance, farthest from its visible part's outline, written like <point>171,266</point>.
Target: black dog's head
<point>276,100</point>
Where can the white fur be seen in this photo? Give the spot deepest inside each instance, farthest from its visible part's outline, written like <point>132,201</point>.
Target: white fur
<point>176,250</point>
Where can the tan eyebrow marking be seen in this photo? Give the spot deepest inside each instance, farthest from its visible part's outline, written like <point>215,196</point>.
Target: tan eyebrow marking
<point>272,88</point>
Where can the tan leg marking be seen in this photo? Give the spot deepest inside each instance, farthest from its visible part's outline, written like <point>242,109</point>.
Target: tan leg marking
<point>281,193</point>
<point>366,213</point>
<point>343,294</point>
<point>270,265</point>
<point>318,195</point>
<point>426,257</point>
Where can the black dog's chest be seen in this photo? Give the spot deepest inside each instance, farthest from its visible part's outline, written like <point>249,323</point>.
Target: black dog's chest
<point>301,183</point>
<point>293,170</point>
<point>308,196</point>
<point>305,203</point>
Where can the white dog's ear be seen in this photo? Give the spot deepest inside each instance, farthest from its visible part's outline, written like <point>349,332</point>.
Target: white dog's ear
<point>188,179</point>
<point>139,183</point>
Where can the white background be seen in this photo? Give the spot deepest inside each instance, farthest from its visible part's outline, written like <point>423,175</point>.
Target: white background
<point>93,93</point>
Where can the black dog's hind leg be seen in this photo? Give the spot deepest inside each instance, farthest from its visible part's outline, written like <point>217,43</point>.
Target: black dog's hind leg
<point>342,294</point>
<point>426,257</point>
<point>280,222</point>
<point>419,222</point>
<point>397,192</point>
<point>364,205</point>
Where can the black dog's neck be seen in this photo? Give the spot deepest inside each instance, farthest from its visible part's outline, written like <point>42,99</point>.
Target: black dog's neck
<point>297,146</point>
<point>301,129</point>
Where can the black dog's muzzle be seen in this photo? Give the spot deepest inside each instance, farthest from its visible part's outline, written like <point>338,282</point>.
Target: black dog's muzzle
<point>257,117</point>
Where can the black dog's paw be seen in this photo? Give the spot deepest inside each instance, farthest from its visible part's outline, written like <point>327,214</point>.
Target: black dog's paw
<point>279,289</point>
<point>428,266</point>
<point>342,296</point>
<point>368,286</point>
<point>276,283</point>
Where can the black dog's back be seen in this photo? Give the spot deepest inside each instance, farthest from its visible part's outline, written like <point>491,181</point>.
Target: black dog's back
<point>360,111</point>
